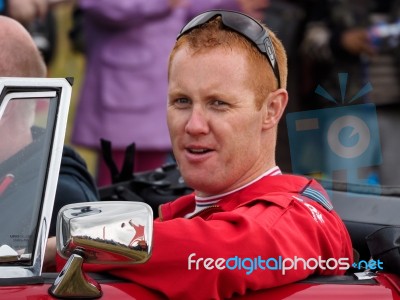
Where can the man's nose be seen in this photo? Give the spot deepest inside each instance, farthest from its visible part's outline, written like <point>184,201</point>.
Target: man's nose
<point>197,123</point>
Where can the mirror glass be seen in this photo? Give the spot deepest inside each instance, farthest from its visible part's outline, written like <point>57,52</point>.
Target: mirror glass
<point>106,232</point>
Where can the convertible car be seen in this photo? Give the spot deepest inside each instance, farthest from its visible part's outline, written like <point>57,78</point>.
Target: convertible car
<point>120,232</point>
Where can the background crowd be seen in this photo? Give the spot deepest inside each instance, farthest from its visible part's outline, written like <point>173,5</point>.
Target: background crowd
<point>117,53</point>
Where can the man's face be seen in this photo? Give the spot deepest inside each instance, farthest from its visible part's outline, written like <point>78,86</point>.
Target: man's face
<point>216,130</point>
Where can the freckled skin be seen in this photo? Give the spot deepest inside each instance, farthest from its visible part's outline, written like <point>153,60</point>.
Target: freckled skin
<point>211,105</point>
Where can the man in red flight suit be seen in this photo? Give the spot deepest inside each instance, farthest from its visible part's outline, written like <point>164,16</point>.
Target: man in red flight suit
<point>227,79</point>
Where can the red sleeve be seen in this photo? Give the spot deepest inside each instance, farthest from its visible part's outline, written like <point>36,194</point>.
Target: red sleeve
<point>261,231</point>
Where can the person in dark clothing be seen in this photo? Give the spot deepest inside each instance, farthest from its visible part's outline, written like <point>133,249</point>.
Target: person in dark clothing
<point>21,141</point>
<point>20,189</point>
<point>75,184</point>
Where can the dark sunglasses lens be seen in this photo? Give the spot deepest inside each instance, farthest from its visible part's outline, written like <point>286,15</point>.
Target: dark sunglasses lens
<point>199,20</point>
<point>235,21</point>
<point>244,25</point>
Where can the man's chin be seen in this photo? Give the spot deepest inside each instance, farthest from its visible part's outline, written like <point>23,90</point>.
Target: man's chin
<point>198,182</point>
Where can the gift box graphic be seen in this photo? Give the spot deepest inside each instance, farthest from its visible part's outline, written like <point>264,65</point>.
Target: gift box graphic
<point>326,140</point>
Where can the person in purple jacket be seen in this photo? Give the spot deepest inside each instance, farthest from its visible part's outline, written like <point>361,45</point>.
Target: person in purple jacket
<point>123,95</point>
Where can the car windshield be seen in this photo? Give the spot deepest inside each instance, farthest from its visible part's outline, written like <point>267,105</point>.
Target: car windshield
<point>25,130</point>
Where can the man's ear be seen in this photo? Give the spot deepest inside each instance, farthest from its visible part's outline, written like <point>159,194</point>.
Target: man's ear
<point>276,103</point>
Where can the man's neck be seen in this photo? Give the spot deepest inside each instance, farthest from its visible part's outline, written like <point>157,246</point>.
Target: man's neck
<point>270,172</point>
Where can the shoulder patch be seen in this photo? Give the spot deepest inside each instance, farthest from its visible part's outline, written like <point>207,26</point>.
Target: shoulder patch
<point>317,196</point>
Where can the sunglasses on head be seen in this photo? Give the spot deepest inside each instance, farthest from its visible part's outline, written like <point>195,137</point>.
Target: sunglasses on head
<point>244,25</point>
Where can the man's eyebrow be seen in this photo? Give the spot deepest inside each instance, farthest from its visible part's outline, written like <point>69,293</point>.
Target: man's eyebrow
<point>176,92</point>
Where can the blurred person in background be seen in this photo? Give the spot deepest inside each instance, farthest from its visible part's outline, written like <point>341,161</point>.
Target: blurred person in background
<point>38,18</point>
<point>24,11</point>
<point>288,19</point>
<point>123,95</point>
<point>20,57</point>
<point>361,38</point>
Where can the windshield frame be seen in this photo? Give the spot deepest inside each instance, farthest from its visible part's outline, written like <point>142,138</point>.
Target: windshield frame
<point>58,93</point>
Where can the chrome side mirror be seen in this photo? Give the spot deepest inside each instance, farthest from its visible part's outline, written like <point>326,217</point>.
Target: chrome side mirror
<point>117,232</point>
<point>106,232</point>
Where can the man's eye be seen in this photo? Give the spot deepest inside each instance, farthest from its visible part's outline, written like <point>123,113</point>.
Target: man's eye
<point>181,102</point>
<point>219,103</point>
